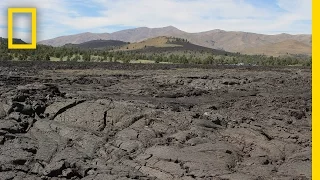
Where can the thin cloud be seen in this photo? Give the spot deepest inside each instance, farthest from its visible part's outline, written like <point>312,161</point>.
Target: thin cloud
<point>63,17</point>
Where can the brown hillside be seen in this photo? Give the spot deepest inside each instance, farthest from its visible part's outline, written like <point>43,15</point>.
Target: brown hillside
<point>281,48</point>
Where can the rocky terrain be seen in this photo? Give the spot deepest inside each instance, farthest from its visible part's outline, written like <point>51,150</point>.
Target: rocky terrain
<point>59,121</point>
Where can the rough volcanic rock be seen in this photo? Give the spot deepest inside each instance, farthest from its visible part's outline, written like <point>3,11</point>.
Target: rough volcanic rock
<point>244,123</point>
<point>89,114</point>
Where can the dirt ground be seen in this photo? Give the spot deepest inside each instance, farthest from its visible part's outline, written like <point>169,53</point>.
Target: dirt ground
<point>112,121</point>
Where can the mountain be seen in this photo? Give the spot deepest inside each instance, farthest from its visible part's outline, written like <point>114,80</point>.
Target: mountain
<point>96,44</point>
<point>232,41</point>
<point>130,35</point>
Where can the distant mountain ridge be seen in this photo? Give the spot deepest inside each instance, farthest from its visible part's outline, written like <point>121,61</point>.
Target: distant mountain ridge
<point>233,41</point>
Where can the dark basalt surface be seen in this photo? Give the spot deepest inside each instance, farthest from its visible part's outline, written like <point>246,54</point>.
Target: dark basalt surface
<point>160,122</point>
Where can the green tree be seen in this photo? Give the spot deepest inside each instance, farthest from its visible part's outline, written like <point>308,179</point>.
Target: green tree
<point>47,57</point>
<point>86,57</point>
<point>126,60</point>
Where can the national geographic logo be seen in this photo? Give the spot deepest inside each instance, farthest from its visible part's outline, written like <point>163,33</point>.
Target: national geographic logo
<point>33,12</point>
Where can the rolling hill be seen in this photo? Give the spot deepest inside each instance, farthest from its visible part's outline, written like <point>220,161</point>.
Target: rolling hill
<point>153,45</point>
<point>168,44</point>
<point>232,41</point>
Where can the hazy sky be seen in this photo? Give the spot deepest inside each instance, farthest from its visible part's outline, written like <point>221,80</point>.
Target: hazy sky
<point>65,17</point>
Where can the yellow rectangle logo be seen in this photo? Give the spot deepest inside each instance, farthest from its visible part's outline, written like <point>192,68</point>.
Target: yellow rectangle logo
<point>33,12</point>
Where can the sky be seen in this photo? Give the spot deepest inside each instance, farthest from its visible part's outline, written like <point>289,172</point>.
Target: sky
<point>65,17</point>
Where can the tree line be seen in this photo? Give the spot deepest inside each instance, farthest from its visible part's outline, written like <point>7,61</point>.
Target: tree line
<point>46,53</point>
